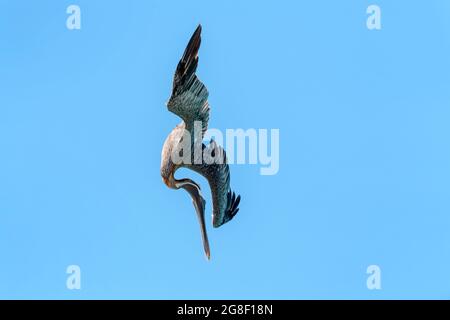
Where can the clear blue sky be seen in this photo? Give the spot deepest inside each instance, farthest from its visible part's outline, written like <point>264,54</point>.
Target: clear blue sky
<point>364,149</point>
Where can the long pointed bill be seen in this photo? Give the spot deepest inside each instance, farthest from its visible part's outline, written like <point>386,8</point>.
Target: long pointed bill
<point>199,204</point>
<point>200,209</point>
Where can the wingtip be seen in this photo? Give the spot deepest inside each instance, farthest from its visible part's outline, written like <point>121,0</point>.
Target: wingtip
<point>198,31</point>
<point>191,51</point>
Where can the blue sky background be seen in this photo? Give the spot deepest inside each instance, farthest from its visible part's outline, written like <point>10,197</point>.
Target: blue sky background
<point>364,149</point>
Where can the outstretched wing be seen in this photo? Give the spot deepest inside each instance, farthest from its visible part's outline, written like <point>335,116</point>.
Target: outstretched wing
<point>189,99</point>
<point>225,201</point>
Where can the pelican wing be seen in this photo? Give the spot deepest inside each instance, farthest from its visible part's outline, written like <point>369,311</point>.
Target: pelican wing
<point>189,99</point>
<point>225,202</point>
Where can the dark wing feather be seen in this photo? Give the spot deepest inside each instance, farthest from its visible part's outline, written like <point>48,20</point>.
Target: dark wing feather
<point>189,99</point>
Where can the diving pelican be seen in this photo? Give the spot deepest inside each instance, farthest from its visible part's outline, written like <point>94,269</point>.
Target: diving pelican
<point>189,102</point>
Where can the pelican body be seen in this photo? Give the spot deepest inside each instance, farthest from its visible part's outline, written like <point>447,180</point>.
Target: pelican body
<point>189,100</point>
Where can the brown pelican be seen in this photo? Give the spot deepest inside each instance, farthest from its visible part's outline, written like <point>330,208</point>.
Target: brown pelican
<point>189,102</point>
